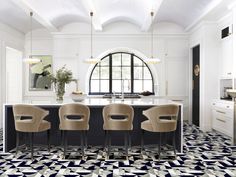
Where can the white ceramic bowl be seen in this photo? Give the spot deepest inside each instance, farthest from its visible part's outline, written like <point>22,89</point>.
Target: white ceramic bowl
<point>78,97</point>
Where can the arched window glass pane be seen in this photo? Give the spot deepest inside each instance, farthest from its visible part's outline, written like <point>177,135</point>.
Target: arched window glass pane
<point>108,74</point>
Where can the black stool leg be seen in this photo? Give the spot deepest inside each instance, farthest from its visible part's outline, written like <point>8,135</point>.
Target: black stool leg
<point>65,142</point>
<point>48,140</point>
<point>126,144</point>
<point>82,143</point>
<point>109,144</point>
<point>26,141</point>
<point>159,146</point>
<point>86,139</point>
<point>105,142</point>
<point>142,141</point>
<point>174,146</point>
<point>129,134</point>
<point>62,137</point>
<point>31,145</point>
<point>17,141</point>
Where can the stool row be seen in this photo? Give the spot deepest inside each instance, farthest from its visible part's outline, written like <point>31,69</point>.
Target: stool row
<point>161,118</point>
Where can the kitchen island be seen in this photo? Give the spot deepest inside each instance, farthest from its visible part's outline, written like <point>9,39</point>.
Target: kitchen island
<point>95,134</point>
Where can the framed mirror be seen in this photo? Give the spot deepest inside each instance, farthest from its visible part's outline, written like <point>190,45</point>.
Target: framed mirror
<point>39,74</point>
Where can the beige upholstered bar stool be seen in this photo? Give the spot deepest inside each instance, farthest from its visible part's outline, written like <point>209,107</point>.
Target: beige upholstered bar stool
<point>82,124</point>
<point>123,111</point>
<point>157,122</point>
<point>34,123</point>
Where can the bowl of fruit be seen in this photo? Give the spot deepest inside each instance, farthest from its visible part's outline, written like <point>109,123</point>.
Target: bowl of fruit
<point>78,96</point>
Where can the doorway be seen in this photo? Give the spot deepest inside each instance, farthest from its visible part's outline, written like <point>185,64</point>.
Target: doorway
<point>13,75</point>
<point>196,84</point>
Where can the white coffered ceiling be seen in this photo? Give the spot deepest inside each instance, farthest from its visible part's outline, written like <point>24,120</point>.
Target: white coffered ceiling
<point>54,14</point>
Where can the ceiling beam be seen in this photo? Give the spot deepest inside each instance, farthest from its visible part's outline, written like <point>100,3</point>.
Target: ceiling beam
<point>25,6</point>
<point>148,20</point>
<point>89,5</point>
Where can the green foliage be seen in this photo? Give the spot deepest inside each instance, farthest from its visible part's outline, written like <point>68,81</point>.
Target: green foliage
<point>62,76</point>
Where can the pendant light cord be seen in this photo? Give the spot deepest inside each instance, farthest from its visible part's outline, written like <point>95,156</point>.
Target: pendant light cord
<point>152,35</point>
<point>91,32</point>
<point>31,45</point>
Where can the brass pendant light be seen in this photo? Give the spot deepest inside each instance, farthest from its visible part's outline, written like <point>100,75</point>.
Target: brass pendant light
<point>91,60</point>
<point>152,60</point>
<point>31,59</point>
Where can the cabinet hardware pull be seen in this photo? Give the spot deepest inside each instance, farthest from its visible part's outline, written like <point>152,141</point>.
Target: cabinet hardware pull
<point>229,73</point>
<point>227,106</point>
<point>220,112</point>
<point>220,120</point>
<point>214,104</point>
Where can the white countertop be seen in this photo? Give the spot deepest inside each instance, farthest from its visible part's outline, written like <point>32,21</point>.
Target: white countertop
<point>96,101</point>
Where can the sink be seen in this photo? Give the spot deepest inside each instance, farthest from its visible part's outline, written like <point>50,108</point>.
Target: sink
<point>231,92</point>
<point>126,95</point>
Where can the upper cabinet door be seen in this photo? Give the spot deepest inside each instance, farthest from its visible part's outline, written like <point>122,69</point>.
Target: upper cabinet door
<point>226,59</point>
<point>177,77</point>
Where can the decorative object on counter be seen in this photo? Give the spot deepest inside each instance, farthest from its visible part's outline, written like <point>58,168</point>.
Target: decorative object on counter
<point>146,93</point>
<point>63,76</point>
<point>152,60</point>
<point>78,96</point>
<point>91,60</point>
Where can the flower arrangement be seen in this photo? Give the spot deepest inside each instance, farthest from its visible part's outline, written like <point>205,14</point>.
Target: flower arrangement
<point>63,76</point>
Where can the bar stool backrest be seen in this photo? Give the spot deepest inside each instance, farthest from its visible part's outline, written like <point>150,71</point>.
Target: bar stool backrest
<point>155,113</point>
<point>122,110</point>
<point>74,109</point>
<point>34,113</point>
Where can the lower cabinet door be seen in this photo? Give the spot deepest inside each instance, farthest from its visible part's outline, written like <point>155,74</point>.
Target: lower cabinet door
<point>222,123</point>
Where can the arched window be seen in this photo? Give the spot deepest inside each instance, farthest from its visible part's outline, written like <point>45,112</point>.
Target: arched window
<point>120,68</point>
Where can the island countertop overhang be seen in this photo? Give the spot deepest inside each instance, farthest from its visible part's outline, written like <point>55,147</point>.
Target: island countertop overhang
<point>98,101</point>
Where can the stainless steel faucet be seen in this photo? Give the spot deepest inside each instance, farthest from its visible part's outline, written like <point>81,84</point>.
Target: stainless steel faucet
<point>122,89</point>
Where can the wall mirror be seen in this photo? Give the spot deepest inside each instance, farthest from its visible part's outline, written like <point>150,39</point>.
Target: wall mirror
<point>39,74</point>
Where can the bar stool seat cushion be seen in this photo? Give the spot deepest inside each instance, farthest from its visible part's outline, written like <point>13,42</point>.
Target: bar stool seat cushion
<point>45,125</point>
<point>74,125</point>
<point>147,125</point>
<point>161,126</point>
<point>29,126</point>
<point>113,124</point>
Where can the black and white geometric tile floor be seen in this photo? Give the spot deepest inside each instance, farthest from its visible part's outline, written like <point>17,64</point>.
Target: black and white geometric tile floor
<point>205,154</point>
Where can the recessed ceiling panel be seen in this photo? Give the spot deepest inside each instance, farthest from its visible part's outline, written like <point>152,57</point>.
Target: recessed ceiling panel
<point>15,17</point>
<point>182,12</point>
<point>60,12</point>
<point>132,11</point>
<point>54,14</point>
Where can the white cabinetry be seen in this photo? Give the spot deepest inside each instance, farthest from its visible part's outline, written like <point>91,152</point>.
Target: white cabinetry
<point>176,61</point>
<point>226,57</point>
<point>222,117</point>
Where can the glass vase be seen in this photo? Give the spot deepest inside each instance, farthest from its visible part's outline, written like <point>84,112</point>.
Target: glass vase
<point>60,90</point>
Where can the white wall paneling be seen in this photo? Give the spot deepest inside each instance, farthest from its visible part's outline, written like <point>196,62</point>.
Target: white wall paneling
<point>13,71</point>
<point>206,35</point>
<point>14,39</point>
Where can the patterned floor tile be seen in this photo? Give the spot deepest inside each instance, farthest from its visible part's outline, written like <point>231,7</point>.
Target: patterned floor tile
<point>205,154</point>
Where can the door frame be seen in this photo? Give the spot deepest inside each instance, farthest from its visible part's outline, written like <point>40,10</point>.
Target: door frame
<point>190,120</point>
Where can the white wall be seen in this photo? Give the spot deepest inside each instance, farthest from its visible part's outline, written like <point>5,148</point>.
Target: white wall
<point>72,45</point>
<point>206,35</point>
<point>14,39</point>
